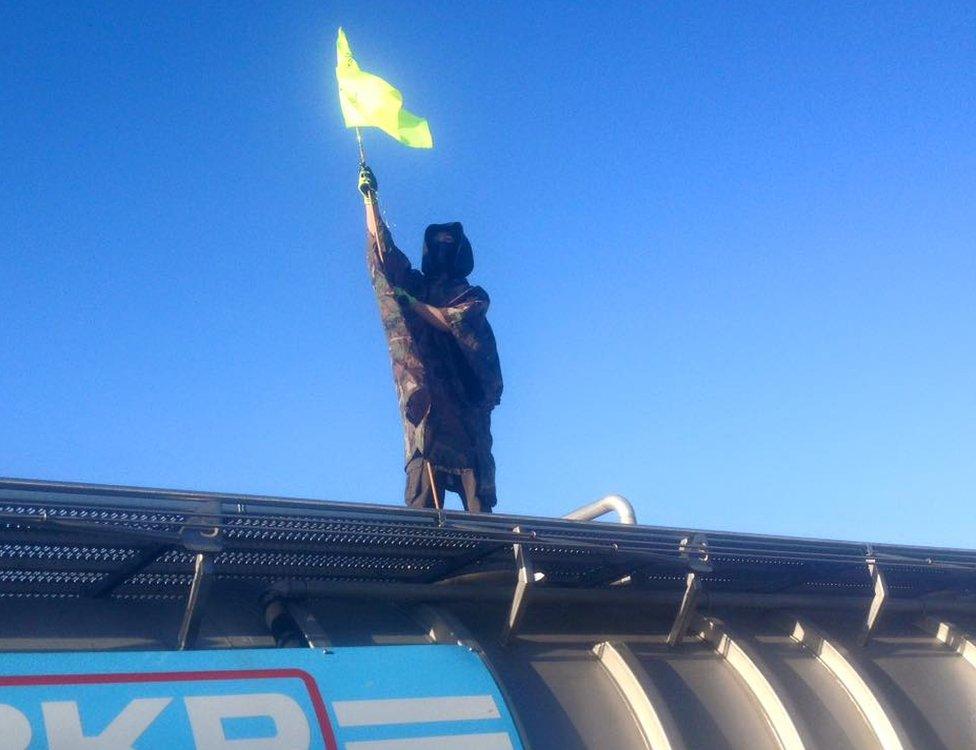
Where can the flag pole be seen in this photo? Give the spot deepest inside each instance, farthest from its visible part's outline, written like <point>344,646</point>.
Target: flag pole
<point>433,484</point>
<point>379,246</point>
<point>362,149</point>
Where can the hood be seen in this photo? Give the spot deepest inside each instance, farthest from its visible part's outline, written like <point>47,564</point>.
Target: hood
<point>462,262</point>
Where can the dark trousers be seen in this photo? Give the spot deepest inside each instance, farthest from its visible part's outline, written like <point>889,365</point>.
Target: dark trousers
<point>419,493</point>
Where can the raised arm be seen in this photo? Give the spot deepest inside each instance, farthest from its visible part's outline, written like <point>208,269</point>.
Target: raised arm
<point>389,259</point>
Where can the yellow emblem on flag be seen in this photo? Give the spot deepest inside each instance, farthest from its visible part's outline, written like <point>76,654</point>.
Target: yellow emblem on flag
<point>369,101</point>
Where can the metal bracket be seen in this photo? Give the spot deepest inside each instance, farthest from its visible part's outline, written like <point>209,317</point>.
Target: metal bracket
<point>694,549</point>
<point>688,603</point>
<point>204,534</point>
<point>206,541</point>
<point>880,597</point>
<point>199,590</point>
<point>526,577</point>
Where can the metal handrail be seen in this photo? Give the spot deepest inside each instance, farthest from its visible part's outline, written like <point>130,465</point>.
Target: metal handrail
<point>610,504</point>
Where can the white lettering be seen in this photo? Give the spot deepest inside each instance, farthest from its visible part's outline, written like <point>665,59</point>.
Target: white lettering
<point>63,725</point>
<point>15,729</point>
<point>207,713</point>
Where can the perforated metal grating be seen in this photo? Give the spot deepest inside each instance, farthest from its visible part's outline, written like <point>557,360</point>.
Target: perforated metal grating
<point>88,540</point>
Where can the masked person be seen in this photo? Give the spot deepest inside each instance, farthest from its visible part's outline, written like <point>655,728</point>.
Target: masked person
<point>445,362</point>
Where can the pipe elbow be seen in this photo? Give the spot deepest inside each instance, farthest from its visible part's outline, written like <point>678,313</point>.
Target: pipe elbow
<point>609,504</point>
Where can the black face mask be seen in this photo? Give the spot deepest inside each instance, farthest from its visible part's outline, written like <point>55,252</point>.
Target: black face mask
<point>451,259</point>
<point>443,255</point>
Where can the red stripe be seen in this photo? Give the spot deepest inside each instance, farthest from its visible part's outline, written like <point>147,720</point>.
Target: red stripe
<point>229,674</point>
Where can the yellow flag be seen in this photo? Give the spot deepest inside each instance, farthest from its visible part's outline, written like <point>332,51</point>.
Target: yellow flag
<point>369,101</point>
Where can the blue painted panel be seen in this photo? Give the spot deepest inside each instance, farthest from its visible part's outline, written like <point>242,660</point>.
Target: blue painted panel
<point>371,698</point>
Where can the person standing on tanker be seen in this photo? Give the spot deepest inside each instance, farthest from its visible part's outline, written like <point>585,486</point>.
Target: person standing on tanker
<point>445,361</point>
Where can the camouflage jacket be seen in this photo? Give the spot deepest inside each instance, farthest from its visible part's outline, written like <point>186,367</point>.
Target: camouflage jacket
<point>447,383</point>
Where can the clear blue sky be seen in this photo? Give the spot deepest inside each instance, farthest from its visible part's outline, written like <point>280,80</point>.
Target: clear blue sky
<point>731,249</point>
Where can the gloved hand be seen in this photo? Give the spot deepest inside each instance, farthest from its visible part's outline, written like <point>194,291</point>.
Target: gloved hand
<point>403,296</point>
<point>367,180</point>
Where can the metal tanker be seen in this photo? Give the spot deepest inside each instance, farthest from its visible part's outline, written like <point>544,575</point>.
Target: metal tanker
<point>143,619</point>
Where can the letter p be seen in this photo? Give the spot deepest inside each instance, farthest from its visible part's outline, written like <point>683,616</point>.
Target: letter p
<point>207,713</point>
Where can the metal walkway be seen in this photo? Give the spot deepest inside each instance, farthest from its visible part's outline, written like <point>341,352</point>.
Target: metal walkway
<point>60,539</point>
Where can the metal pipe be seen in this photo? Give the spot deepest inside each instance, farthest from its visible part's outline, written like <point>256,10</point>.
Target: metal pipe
<point>610,504</point>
